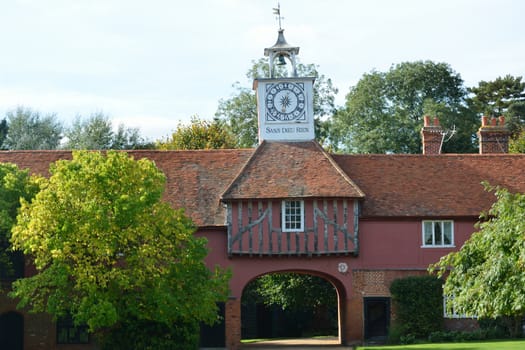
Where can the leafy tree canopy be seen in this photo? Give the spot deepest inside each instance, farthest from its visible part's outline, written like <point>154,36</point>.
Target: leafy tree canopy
<point>240,110</point>
<point>96,133</point>
<point>384,111</point>
<point>14,185</point>
<point>107,249</point>
<point>29,130</point>
<point>487,275</point>
<point>503,96</point>
<point>199,134</point>
<point>493,98</point>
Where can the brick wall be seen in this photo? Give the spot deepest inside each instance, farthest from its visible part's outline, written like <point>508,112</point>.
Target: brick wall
<point>233,323</point>
<point>370,283</point>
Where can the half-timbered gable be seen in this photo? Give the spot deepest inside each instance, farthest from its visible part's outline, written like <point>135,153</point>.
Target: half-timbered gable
<point>291,198</point>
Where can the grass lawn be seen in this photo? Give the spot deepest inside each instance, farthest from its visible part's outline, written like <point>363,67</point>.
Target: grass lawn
<point>489,345</point>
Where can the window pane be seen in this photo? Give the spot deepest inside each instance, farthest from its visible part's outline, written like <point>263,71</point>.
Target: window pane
<point>447,232</point>
<point>293,215</point>
<point>428,233</point>
<point>437,233</point>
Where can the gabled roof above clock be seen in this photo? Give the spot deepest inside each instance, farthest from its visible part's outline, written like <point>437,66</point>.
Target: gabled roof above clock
<point>291,170</point>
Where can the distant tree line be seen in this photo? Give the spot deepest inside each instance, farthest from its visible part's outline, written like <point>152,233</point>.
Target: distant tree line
<point>383,113</point>
<point>26,129</point>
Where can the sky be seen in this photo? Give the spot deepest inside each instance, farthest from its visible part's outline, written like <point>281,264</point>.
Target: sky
<point>154,64</point>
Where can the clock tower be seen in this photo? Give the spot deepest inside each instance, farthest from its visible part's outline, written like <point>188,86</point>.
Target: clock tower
<point>284,104</point>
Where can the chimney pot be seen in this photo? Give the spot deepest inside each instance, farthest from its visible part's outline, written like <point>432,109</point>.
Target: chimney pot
<point>493,138</point>
<point>431,136</point>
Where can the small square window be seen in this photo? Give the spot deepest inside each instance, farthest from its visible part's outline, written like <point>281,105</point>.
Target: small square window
<point>68,333</point>
<point>293,216</point>
<point>438,233</point>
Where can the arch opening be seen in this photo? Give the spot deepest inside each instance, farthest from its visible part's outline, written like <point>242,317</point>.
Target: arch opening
<point>300,305</point>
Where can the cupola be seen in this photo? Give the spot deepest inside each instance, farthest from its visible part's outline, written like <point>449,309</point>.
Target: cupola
<point>284,105</point>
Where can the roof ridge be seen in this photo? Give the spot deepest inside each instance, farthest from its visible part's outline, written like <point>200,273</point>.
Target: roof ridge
<point>241,171</point>
<point>339,170</point>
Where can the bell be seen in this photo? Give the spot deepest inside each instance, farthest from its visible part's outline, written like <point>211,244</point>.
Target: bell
<point>281,61</point>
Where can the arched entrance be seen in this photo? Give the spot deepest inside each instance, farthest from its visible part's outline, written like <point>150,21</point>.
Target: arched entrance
<point>11,331</point>
<point>293,304</point>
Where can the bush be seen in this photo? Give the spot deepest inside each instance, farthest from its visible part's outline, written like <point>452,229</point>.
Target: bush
<point>395,333</point>
<point>408,339</point>
<point>501,327</point>
<point>477,335</point>
<point>418,302</point>
<point>149,335</point>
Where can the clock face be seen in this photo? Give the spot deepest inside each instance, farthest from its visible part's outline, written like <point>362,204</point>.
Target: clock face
<point>285,101</point>
<point>342,267</point>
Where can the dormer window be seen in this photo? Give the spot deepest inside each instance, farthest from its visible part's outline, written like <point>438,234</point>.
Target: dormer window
<point>292,215</point>
<point>439,233</point>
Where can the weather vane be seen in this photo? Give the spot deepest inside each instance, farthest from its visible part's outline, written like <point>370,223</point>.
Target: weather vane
<point>277,11</point>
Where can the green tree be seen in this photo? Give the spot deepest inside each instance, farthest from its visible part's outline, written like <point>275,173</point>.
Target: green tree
<point>31,131</point>
<point>503,96</point>
<point>108,250</point>
<point>240,110</point>
<point>384,111</point>
<point>3,132</point>
<point>291,291</point>
<point>96,133</point>
<point>14,185</point>
<point>486,277</point>
<point>199,134</point>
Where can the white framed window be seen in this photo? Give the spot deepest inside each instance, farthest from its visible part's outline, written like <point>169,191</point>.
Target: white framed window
<point>438,233</point>
<point>451,312</point>
<point>292,216</point>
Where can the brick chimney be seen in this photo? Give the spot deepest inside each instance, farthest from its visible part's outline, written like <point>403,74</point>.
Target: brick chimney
<point>493,136</point>
<point>431,136</point>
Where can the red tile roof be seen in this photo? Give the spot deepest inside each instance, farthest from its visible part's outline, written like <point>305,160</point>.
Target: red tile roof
<point>431,185</point>
<point>393,185</point>
<point>195,179</point>
<point>291,170</point>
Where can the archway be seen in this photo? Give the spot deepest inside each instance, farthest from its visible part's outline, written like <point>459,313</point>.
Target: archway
<point>11,331</point>
<point>303,305</point>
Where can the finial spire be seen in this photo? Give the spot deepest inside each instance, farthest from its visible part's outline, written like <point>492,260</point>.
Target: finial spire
<point>281,49</point>
<point>277,11</point>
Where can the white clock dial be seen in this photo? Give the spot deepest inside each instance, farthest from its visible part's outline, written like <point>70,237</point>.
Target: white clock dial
<point>285,101</point>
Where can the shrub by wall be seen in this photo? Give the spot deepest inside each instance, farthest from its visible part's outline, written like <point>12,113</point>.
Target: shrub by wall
<point>144,335</point>
<point>418,303</point>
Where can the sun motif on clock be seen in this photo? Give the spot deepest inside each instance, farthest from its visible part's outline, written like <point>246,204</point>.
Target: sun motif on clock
<point>285,101</point>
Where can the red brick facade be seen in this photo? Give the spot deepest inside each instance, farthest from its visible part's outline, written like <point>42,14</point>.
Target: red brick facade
<point>381,200</point>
